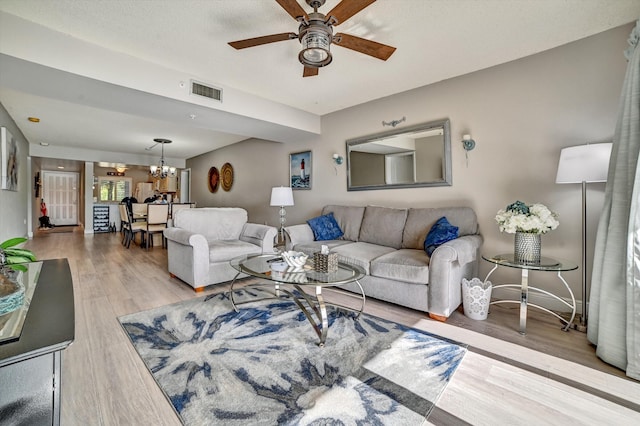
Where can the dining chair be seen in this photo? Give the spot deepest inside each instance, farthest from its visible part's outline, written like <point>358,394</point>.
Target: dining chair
<point>124,223</point>
<point>135,227</point>
<point>175,207</point>
<point>157,217</point>
<point>139,211</point>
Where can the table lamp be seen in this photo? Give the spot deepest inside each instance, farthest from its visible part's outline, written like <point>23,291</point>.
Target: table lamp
<point>584,164</point>
<point>282,196</point>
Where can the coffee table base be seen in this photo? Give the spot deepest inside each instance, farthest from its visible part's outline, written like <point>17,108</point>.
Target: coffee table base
<point>313,306</point>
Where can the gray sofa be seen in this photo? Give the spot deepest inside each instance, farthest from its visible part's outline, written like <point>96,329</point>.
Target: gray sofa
<point>389,244</point>
<point>202,241</point>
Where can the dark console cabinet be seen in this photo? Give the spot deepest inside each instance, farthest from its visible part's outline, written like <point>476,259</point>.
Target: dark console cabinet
<point>30,367</point>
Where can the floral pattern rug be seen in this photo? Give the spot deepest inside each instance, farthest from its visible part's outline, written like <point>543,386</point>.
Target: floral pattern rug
<point>262,365</point>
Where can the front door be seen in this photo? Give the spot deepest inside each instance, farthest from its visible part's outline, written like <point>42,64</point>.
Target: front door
<point>60,193</point>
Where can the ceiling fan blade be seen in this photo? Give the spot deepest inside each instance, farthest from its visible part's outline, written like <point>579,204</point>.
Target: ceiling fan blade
<point>257,41</point>
<point>368,47</point>
<point>347,8</point>
<point>293,8</point>
<point>309,72</point>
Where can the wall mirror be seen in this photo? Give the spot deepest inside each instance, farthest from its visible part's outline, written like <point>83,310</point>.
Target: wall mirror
<point>414,156</point>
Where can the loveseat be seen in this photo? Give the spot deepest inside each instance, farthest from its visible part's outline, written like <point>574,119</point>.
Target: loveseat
<point>389,244</point>
<point>202,241</point>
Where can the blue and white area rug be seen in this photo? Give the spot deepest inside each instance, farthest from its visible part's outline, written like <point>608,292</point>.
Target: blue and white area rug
<point>263,365</point>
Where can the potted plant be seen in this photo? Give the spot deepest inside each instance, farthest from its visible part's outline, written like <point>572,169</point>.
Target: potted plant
<point>11,290</point>
<point>11,256</point>
<point>528,222</point>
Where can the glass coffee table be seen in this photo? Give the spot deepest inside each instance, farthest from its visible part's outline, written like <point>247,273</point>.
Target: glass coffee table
<point>292,283</point>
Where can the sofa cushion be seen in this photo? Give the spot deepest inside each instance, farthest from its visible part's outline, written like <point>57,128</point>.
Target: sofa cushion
<point>215,223</point>
<point>325,227</point>
<point>361,253</point>
<point>441,232</point>
<point>407,265</point>
<point>420,221</point>
<point>383,226</point>
<point>225,250</point>
<point>349,219</point>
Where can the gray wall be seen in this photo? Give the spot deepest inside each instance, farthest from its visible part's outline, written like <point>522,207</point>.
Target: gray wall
<point>520,114</point>
<point>14,205</point>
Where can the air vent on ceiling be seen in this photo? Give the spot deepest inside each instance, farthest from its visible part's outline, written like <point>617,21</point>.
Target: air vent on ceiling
<point>206,90</point>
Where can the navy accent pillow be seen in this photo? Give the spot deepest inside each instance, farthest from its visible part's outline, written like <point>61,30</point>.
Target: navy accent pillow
<point>325,227</point>
<point>441,232</point>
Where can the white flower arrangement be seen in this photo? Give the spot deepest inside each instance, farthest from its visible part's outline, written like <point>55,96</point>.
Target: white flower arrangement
<point>533,219</point>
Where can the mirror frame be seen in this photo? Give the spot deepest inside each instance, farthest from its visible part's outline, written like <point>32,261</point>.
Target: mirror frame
<point>446,160</point>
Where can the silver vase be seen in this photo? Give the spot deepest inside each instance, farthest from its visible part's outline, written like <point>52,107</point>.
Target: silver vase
<point>527,247</point>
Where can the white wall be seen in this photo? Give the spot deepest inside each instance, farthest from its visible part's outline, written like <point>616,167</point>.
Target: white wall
<point>520,114</point>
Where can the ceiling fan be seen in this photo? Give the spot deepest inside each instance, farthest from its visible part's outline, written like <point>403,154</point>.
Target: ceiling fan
<point>316,34</point>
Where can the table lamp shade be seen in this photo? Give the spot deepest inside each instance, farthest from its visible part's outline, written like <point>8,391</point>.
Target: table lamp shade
<point>281,196</point>
<point>584,163</point>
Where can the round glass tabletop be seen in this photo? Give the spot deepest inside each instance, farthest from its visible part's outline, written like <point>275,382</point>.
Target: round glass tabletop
<point>545,264</point>
<point>260,266</point>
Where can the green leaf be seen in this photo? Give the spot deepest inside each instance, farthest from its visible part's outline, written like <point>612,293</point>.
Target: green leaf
<point>12,242</point>
<point>18,268</point>
<point>11,260</point>
<point>20,253</point>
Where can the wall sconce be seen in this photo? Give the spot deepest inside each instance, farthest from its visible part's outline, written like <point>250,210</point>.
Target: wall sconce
<point>337,160</point>
<point>468,144</point>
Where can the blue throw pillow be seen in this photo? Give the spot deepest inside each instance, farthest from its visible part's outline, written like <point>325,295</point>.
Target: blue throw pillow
<point>325,227</point>
<point>441,232</point>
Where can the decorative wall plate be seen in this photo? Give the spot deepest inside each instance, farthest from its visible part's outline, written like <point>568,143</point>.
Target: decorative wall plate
<point>213,179</point>
<point>227,176</point>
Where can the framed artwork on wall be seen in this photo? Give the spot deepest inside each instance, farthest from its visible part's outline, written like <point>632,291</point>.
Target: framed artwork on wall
<point>8,160</point>
<point>300,170</point>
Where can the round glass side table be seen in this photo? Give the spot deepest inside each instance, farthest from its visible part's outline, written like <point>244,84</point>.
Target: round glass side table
<point>546,264</point>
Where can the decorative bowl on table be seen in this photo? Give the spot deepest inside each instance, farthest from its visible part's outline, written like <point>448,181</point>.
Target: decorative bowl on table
<point>295,259</point>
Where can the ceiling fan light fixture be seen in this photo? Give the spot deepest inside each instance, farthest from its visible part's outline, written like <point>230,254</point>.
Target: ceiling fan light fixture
<point>315,38</point>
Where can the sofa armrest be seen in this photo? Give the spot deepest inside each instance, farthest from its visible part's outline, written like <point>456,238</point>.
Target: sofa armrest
<point>260,235</point>
<point>188,256</point>
<point>297,234</point>
<point>463,249</point>
<point>187,238</point>
<point>449,264</point>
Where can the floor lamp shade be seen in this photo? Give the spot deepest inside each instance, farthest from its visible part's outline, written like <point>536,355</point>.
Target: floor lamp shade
<point>584,164</point>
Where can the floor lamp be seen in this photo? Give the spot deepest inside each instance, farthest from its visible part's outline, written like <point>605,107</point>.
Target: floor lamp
<point>584,164</point>
<point>281,196</point>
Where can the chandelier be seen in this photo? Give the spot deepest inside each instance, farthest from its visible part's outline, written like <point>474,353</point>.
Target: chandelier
<point>162,170</point>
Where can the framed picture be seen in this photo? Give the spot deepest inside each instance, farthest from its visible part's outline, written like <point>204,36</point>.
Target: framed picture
<point>300,170</point>
<point>8,160</point>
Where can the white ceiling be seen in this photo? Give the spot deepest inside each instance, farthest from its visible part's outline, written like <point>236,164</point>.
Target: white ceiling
<point>265,95</point>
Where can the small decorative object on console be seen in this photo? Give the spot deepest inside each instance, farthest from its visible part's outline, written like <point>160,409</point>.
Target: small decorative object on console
<point>11,291</point>
<point>324,261</point>
<point>295,259</point>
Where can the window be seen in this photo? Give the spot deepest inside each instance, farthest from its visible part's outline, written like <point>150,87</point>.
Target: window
<point>113,188</point>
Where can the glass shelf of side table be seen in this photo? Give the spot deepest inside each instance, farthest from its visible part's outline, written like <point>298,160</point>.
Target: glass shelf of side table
<point>546,264</point>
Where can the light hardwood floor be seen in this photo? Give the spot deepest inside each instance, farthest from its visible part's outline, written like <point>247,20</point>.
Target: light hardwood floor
<point>545,377</point>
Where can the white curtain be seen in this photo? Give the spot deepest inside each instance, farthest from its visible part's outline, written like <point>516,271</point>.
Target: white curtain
<point>614,310</point>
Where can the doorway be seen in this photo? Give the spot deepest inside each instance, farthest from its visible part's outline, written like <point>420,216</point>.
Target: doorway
<point>60,193</point>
